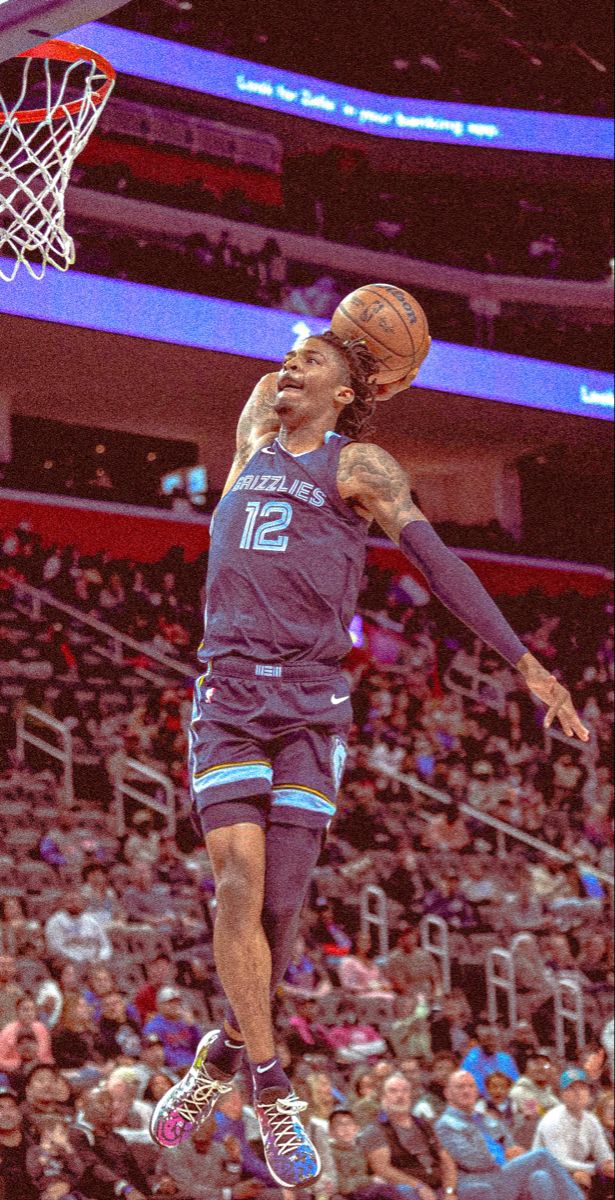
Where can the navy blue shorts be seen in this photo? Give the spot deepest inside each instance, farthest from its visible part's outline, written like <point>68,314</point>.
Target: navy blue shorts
<point>276,732</point>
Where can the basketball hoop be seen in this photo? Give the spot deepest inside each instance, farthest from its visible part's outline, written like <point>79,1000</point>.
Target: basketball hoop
<point>38,147</point>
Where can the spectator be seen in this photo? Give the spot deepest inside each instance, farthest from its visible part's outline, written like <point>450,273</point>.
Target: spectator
<point>447,832</point>
<point>143,844</point>
<point>10,990</point>
<point>101,899</point>
<point>525,910</point>
<point>18,934</point>
<point>605,1112</point>
<point>61,846</point>
<point>485,1058</point>
<point>448,902</point>
<point>486,1160</point>
<point>130,1115</point>
<point>354,1040</point>
<point>575,1137</point>
<point>332,939</point>
<point>26,1023</point>
<point>41,1093</point>
<point>100,984</point>
<point>160,972</point>
<point>110,1165</point>
<point>366,1105</point>
<point>409,968</point>
<point>158,1085</point>
<point>533,1091</point>
<point>522,1043</point>
<point>320,1105</point>
<point>303,979</point>
<point>151,1063</point>
<point>52,1164</point>
<point>496,1101</point>
<point>148,901</point>
<point>305,1033</point>
<point>14,1178</point>
<point>179,1037</point>
<point>27,1049</point>
<point>402,1148</point>
<point>409,1032</point>
<point>74,1038</point>
<point>118,1033</point>
<point>433,1102</point>
<point>359,975</point>
<point>351,1161</point>
<point>73,934</point>
<point>451,1023</point>
<point>196,1168</point>
<point>53,991</point>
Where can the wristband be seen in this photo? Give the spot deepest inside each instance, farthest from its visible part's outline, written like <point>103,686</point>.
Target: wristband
<point>456,585</point>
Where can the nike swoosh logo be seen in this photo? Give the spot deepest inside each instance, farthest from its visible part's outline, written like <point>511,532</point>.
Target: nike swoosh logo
<point>339,699</point>
<point>266,450</point>
<point>261,1070</point>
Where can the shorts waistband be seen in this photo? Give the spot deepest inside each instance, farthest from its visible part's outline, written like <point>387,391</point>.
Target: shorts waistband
<point>247,668</point>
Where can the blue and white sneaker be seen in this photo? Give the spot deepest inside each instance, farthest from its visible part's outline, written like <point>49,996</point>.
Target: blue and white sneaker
<point>290,1155</point>
<point>190,1102</point>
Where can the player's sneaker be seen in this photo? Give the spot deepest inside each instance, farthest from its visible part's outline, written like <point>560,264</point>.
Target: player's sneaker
<point>188,1103</point>
<point>290,1155</point>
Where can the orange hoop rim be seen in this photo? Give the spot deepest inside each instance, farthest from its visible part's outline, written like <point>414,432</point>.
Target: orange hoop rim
<point>68,52</point>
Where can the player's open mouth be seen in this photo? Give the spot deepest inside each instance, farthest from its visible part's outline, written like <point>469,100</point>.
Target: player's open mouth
<point>286,384</point>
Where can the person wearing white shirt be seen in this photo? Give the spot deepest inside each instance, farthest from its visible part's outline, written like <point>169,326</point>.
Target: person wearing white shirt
<point>76,935</point>
<point>576,1138</point>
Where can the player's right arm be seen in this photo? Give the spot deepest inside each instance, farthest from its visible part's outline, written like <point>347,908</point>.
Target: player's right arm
<point>257,425</point>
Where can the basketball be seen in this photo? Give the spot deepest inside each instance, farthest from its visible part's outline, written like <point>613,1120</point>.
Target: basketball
<point>392,323</point>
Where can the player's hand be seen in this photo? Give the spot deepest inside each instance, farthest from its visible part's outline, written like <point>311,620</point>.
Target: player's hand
<point>554,695</point>
<point>384,391</point>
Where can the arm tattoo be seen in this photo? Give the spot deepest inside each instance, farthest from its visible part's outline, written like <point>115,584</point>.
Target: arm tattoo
<point>374,480</point>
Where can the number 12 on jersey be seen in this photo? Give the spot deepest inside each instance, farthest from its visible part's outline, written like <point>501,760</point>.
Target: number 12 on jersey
<point>266,536</point>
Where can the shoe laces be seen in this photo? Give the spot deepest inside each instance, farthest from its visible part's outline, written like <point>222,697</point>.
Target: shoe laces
<point>198,1096</point>
<point>281,1115</point>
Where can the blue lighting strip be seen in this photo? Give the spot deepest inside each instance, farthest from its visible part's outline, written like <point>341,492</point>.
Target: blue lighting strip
<point>162,315</point>
<point>350,108</point>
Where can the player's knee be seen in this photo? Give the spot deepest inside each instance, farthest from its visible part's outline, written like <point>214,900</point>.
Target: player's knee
<point>239,892</point>
<point>280,913</point>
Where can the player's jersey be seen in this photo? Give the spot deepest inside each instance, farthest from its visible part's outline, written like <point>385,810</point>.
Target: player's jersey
<point>286,560</point>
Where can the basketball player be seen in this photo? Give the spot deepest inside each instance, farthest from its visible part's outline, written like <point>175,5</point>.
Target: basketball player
<point>271,712</point>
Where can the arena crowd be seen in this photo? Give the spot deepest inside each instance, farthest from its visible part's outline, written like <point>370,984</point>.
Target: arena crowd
<point>106,972</point>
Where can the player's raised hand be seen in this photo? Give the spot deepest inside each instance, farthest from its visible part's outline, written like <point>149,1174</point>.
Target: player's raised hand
<point>557,698</point>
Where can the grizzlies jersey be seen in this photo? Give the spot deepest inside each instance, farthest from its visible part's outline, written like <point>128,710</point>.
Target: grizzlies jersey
<point>286,560</point>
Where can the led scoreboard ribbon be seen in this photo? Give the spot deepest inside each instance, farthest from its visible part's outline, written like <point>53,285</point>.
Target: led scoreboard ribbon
<point>351,108</point>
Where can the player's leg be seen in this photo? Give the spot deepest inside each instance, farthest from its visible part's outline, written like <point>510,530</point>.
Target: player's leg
<point>230,780</point>
<point>235,835</point>
<point>241,863</point>
<point>241,950</point>
<point>292,854</point>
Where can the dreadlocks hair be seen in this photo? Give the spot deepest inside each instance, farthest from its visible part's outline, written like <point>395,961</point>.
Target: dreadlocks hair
<point>355,420</point>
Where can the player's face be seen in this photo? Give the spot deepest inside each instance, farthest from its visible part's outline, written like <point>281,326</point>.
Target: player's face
<point>311,379</point>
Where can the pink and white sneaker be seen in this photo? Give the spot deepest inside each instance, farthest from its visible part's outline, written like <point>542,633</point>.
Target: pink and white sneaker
<point>190,1102</point>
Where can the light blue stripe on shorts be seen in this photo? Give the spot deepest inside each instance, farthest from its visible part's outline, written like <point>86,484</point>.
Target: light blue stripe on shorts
<point>303,798</point>
<point>220,775</point>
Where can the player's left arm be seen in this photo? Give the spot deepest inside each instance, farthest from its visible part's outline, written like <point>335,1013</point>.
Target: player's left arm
<point>377,486</point>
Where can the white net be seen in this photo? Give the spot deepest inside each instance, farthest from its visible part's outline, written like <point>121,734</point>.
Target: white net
<point>36,159</point>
